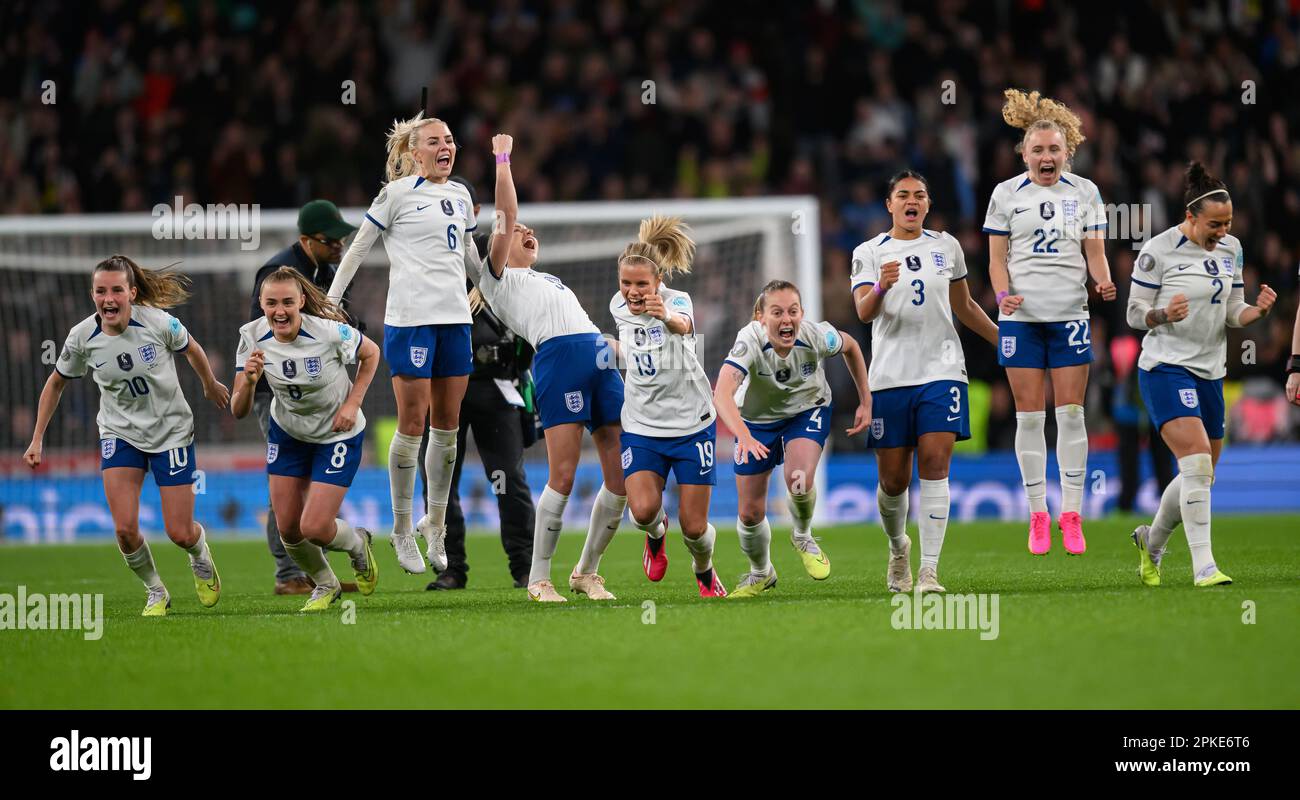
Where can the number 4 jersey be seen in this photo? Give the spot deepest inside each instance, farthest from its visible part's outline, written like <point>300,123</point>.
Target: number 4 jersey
<point>140,400</point>
<point>913,341</point>
<point>1172,264</point>
<point>667,393</point>
<point>308,376</point>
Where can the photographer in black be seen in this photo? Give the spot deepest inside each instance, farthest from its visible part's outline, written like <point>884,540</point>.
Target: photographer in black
<point>502,428</point>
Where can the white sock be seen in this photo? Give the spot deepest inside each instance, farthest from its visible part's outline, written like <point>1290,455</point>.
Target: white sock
<point>546,533</point>
<point>346,539</point>
<point>934,504</point>
<point>702,549</point>
<point>801,511</point>
<point>141,563</point>
<point>756,544</point>
<point>200,547</point>
<point>1071,455</point>
<point>1168,517</point>
<point>308,555</point>
<point>403,454</point>
<point>654,528</point>
<point>893,516</point>
<point>1031,453</point>
<point>1197,472</point>
<point>439,465</point>
<point>606,514</point>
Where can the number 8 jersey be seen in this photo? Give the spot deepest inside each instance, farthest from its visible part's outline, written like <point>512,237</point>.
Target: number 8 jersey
<point>913,341</point>
<point>667,393</point>
<point>1172,264</point>
<point>308,376</point>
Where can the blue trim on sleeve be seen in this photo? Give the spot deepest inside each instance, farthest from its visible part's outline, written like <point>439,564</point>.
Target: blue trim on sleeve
<point>962,278</point>
<point>1239,286</point>
<point>183,349</point>
<point>997,232</point>
<point>1148,285</point>
<point>472,229</point>
<point>1096,227</point>
<point>66,375</point>
<point>377,222</point>
<point>239,369</point>
<point>734,364</point>
<point>857,286</point>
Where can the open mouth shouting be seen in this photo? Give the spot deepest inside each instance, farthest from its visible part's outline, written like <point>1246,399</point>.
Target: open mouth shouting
<point>785,333</point>
<point>110,311</point>
<point>281,321</point>
<point>443,159</point>
<point>1047,170</point>
<point>912,213</point>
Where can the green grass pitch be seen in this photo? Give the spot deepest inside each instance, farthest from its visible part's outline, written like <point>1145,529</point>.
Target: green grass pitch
<point>1073,632</point>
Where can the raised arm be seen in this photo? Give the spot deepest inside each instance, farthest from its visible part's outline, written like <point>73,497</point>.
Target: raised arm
<point>241,402</point>
<point>1241,314</point>
<point>506,212</point>
<point>869,298</point>
<point>50,396</point>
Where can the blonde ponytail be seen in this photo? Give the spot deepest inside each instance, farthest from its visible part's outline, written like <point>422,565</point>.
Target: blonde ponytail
<point>1033,112</point>
<point>402,138</point>
<point>155,288</point>
<point>666,243</point>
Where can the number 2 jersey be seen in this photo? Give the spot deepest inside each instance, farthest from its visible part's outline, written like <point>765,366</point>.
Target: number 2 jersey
<point>140,398</point>
<point>913,341</point>
<point>775,387</point>
<point>667,392</point>
<point>1045,226</point>
<point>308,376</point>
<point>1172,264</point>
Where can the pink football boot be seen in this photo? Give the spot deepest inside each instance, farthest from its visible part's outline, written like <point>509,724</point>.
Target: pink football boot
<point>1072,533</point>
<point>1040,533</point>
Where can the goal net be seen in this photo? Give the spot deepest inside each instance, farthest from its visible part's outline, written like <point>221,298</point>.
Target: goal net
<point>46,263</point>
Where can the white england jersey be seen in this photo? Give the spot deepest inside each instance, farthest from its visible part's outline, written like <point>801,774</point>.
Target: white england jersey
<point>1172,264</point>
<point>140,399</point>
<point>913,341</point>
<point>1044,226</point>
<point>308,377</point>
<point>777,388</point>
<point>426,228</point>
<point>667,392</point>
<point>534,305</point>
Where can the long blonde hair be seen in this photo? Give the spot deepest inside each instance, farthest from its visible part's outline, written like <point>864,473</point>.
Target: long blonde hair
<point>402,138</point>
<point>666,243</point>
<point>1033,112</point>
<point>157,288</point>
<point>314,301</point>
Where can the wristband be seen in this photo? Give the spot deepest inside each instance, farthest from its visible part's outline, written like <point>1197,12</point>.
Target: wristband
<point>878,290</point>
<point>1293,366</point>
<point>1002,296</point>
<point>503,158</point>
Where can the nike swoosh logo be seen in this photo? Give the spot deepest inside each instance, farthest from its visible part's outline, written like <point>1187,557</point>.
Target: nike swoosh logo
<point>1018,210</point>
<point>1194,502</point>
<point>1040,483</point>
<point>100,364</point>
<point>1182,267</point>
<point>332,471</point>
<point>399,466</point>
<point>1073,474</point>
<point>934,517</point>
<point>421,208</point>
<point>1081,351</point>
<point>954,419</point>
<point>764,374</point>
<point>176,471</point>
<point>706,471</point>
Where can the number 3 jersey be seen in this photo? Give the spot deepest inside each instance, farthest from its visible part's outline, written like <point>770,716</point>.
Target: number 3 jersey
<point>777,387</point>
<point>1172,264</point>
<point>667,393</point>
<point>140,398</point>
<point>913,341</point>
<point>308,376</point>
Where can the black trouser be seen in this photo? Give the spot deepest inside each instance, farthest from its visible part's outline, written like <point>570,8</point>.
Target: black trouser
<point>499,437</point>
<point>1130,452</point>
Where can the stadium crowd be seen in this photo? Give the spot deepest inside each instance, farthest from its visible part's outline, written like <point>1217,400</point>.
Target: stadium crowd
<point>242,102</point>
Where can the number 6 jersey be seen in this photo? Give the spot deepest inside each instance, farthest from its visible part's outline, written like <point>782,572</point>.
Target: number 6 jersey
<point>667,393</point>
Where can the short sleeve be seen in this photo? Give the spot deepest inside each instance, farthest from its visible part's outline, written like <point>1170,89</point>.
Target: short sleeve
<point>681,304</point>
<point>244,350</point>
<point>1147,270</point>
<point>996,220</point>
<point>741,355</point>
<point>828,342</point>
<point>381,208</point>
<point>1093,211</point>
<point>72,359</point>
<point>865,267</point>
<point>959,272</point>
<point>347,339</point>
<point>174,334</point>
